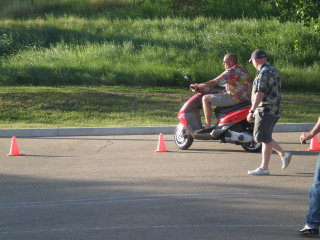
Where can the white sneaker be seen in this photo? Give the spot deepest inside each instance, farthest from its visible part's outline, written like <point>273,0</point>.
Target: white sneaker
<point>259,172</point>
<point>286,160</point>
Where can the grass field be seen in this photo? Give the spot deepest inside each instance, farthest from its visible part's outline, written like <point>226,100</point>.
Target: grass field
<point>51,107</point>
<point>143,9</point>
<point>148,43</point>
<point>85,63</point>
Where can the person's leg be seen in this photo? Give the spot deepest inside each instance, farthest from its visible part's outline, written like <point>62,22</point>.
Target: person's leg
<point>311,229</point>
<point>263,133</point>
<point>313,216</point>
<point>267,152</point>
<point>207,110</point>
<point>220,99</point>
<point>277,148</point>
<point>284,156</point>
<point>263,127</point>
<point>266,155</point>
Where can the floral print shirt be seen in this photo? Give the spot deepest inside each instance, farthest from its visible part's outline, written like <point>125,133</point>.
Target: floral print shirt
<point>268,81</point>
<point>237,83</point>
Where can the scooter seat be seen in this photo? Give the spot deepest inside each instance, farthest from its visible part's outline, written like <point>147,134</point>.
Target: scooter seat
<point>225,110</point>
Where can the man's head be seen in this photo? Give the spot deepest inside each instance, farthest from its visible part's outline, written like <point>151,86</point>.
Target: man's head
<point>258,58</point>
<point>229,60</point>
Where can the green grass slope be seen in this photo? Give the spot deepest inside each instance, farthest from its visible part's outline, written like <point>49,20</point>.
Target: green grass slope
<point>147,43</point>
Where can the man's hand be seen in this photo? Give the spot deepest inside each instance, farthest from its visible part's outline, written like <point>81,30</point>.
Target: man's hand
<point>194,87</point>
<point>305,136</point>
<point>250,117</point>
<point>308,135</point>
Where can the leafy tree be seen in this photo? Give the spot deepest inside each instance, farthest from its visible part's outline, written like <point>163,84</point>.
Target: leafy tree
<point>305,11</point>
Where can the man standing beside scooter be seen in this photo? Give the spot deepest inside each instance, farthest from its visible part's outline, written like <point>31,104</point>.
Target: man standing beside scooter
<point>266,110</point>
<point>237,84</point>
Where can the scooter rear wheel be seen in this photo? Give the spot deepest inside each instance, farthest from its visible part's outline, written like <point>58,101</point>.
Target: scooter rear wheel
<point>182,137</point>
<point>252,147</point>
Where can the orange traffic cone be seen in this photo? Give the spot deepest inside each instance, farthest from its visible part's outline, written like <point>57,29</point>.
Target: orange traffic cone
<point>14,150</point>
<point>314,144</point>
<point>161,145</point>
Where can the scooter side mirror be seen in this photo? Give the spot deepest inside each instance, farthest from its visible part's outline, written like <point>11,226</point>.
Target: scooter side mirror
<point>188,78</point>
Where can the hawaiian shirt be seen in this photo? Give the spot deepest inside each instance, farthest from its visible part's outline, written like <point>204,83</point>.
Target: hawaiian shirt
<point>237,83</point>
<point>268,81</point>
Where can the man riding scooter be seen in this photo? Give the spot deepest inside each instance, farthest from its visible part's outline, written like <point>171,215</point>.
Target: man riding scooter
<point>237,84</point>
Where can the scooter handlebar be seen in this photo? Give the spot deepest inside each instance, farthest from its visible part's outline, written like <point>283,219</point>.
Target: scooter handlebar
<point>194,87</point>
<point>188,78</point>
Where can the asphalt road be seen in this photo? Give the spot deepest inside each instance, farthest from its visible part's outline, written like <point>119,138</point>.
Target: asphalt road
<point>118,187</point>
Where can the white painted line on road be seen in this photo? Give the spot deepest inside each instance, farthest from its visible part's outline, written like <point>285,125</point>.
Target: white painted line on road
<point>111,228</point>
<point>141,198</point>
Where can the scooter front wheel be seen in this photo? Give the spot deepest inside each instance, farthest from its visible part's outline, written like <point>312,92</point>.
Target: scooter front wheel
<point>182,137</point>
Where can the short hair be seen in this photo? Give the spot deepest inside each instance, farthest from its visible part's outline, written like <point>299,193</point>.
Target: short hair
<point>232,57</point>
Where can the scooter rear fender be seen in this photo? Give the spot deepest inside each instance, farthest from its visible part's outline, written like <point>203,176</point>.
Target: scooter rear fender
<point>234,116</point>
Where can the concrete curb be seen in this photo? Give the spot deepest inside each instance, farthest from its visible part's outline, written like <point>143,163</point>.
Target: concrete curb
<point>293,127</point>
<point>65,132</point>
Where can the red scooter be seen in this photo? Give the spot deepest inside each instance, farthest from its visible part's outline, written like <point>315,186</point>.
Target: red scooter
<point>231,127</point>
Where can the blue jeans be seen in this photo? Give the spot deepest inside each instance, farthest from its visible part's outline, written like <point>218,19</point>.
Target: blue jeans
<point>313,216</point>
